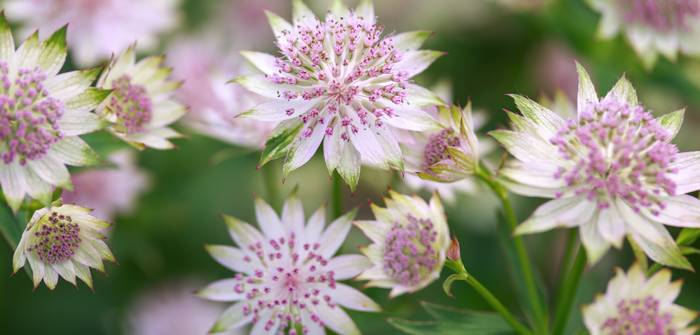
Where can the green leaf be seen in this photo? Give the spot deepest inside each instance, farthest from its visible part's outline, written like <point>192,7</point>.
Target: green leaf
<point>688,236</point>
<point>449,321</point>
<point>281,142</point>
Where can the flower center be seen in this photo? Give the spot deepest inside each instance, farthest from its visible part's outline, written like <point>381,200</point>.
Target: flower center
<point>288,279</point>
<point>639,317</point>
<point>436,148</point>
<point>131,104</point>
<point>28,115</point>
<point>662,15</point>
<point>343,61</point>
<point>409,255</point>
<point>57,239</point>
<point>618,151</point>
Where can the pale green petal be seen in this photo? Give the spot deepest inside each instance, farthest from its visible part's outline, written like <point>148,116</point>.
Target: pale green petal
<point>263,61</point>
<point>53,52</point>
<point>411,40</point>
<point>7,43</point>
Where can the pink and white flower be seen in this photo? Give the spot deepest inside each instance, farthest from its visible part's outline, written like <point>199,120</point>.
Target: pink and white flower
<point>612,171</point>
<point>653,27</point>
<point>338,81</point>
<point>98,28</point>
<point>635,304</point>
<point>42,114</point>
<point>109,191</point>
<point>410,239</point>
<point>141,107</point>
<point>213,103</point>
<point>287,278</point>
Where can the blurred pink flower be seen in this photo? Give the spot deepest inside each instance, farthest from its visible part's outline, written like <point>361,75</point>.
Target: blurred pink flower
<point>555,69</point>
<point>245,21</point>
<point>213,103</point>
<point>109,191</point>
<point>172,310</point>
<point>98,28</point>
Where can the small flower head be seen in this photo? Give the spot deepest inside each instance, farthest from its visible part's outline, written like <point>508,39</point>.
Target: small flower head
<point>653,26</point>
<point>41,115</point>
<point>636,305</point>
<point>109,191</point>
<point>91,21</point>
<point>287,278</point>
<point>141,106</point>
<point>448,154</point>
<point>63,240</point>
<point>341,82</point>
<point>611,170</point>
<point>213,103</point>
<point>410,239</point>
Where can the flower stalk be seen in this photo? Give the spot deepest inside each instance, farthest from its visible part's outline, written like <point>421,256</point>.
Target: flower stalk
<point>523,260</point>
<point>569,284</point>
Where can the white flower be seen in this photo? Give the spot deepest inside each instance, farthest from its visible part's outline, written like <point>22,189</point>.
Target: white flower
<point>287,277</point>
<point>339,82</point>
<point>410,239</point>
<point>213,103</point>
<point>636,305</point>
<point>63,240</point>
<point>98,28</point>
<point>611,170</point>
<point>172,309</point>
<point>653,26</point>
<point>141,106</point>
<point>41,115</point>
<point>109,191</point>
<point>444,160</point>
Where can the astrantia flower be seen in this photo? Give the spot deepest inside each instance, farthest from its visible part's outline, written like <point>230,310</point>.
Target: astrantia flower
<point>109,191</point>
<point>287,278</point>
<point>141,106</point>
<point>340,82</point>
<point>611,170</point>
<point>213,103</point>
<point>98,28</point>
<point>653,26</point>
<point>41,115</point>
<point>636,305</point>
<point>63,240</point>
<point>409,241</point>
<point>171,309</point>
<point>449,154</point>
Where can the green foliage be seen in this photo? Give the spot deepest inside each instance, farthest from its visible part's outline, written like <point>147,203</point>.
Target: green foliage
<point>452,321</point>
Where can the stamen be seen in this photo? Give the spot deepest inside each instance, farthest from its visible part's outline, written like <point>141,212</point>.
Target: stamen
<point>131,104</point>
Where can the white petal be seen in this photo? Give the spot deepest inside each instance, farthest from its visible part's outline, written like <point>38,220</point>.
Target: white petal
<point>315,225</point>
<point>662,249</point>
<point>75,123</point>
<point>268,220</point>
<point>221,290</point>
<point>232,318</point>
<point>13,183</point>
<point>52,170</point>
<point>293,216</point>
<point>586,91</point>
<point>74,151</point>
<point>50,277</point>
<point>304,148</point>
<point>241,232</point>
<point>374,230</point>
<point>280,110</point>
<point>262,85</point>
<point>415,62</point>
<point>260,326</point>
<point>348,266</point>
<point>233,258</point>
<point>563,212</point>
<point>263,61</point>
<point>688,177</point>
<point>351,298</point>
<point>680,211</point>
<point>596,246</point>
<point>166,113</point>
<point>611,226</point>
<point>334,236</point>
<point>337,320</point>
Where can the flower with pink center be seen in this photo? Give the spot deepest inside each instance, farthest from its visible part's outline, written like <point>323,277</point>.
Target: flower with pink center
<point>444,160</point>
<point>160,311</point>
<point>340,82</point>
<point>410,239</point>
<point>637,305</point>
<point>42,113</point>
<point>109,191</point>
<point>98,28</point>
<point>141,107</point>
<point>214,104</point>
<point>63,241</point>
<point>653,26</point>
<point>287,280</point>
<point>611,170</point>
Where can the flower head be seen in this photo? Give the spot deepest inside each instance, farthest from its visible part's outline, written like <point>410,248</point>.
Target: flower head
<point>109,191</point>
<point>287,278</point>
<point>637,305</point>
<point>41,115</point>
<point>123,21</point>
<point>611,170</point>
<point>63,240</point>
<point>653,26</point>
<point>340,82</point>
<point>141,106</point>
<point>214,104</point>
<point>410,239</point>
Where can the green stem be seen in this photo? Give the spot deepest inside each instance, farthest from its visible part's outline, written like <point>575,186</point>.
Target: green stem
<point>9,227</point>
<point>569,286</point>
<point>336,196</point>
<point>271,183</point>
<point>497,305</point>
<point>523,259</point>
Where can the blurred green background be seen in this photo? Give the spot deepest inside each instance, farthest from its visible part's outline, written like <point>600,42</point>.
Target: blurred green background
<point>493,48</point>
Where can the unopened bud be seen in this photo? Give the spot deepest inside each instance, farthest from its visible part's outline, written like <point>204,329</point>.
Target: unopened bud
<point>453,252</point>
